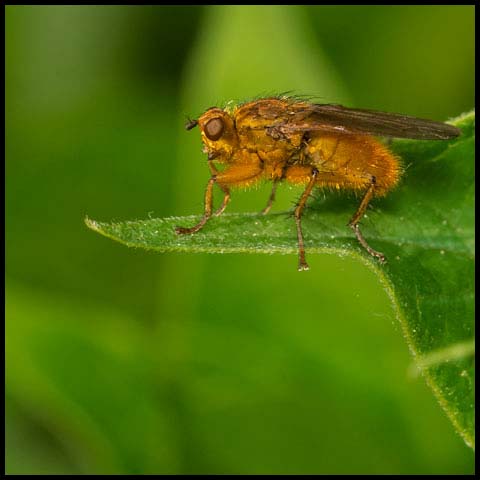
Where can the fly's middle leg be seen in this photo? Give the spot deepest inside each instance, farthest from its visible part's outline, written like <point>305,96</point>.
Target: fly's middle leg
<point>302,264</point>
<point>271,198</point>
<point>354,222</point>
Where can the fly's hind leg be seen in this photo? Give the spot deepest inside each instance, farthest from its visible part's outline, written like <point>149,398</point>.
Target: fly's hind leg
<point>354,222</point>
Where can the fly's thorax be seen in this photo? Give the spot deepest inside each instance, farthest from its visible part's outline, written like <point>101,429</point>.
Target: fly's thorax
<point>261,112</point>
<point>259,126</point>
<point>268,148</point>
<point>219,136</point>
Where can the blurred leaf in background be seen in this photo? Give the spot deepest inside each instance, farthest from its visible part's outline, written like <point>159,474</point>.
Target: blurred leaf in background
<point>121,361</point>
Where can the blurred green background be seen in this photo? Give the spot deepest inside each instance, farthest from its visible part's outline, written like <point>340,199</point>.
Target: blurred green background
<point>124,361</point>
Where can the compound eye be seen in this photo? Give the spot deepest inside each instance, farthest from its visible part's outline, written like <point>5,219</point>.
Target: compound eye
<point>214,129</point>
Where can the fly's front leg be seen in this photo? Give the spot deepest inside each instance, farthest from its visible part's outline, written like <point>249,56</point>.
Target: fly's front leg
<point>243,174</point>
<point>354,222</point>
<point>302,264</point>
<point>208,210</point>
<point>226,191</point>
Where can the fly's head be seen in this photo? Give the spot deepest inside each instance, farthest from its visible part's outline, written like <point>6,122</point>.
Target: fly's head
<point>218,132</point>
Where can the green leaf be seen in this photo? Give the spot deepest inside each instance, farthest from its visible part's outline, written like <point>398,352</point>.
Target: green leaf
<point>426,230</point>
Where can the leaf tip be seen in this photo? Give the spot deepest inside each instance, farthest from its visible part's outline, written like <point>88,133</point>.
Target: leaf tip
<point>92,224</point>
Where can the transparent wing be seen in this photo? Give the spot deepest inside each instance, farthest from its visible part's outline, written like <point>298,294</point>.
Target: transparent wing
<point>350,121</point>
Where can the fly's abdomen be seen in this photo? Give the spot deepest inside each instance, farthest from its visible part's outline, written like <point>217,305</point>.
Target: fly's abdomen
<point>352,162</point>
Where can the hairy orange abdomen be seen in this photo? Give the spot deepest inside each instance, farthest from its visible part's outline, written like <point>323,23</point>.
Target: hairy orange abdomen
<point>351,161</point>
